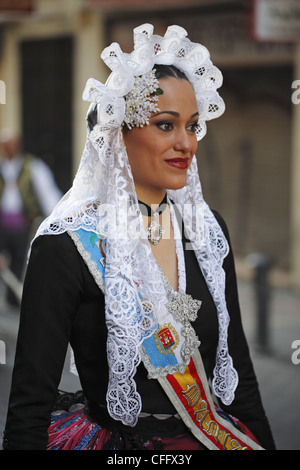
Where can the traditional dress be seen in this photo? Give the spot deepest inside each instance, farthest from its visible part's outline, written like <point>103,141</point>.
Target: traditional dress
<point>71,308</point>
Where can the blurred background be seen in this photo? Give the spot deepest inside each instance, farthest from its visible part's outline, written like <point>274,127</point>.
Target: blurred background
<point>249,161</point>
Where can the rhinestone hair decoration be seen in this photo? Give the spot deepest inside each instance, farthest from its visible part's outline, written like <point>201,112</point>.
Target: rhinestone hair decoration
<point>141,101</point>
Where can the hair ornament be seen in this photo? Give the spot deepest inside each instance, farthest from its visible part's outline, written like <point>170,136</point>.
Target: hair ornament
<point>130,92</point>
<point>141,101</point>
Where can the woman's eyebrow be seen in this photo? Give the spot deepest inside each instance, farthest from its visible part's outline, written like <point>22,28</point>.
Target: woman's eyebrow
<point>174,113</point>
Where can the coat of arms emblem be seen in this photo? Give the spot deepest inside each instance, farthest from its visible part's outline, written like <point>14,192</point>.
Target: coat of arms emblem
<point>166,338</point>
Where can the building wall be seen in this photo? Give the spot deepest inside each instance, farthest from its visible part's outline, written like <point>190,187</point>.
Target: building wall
<point>86,29</point>
<point>295,184</point>
<point>247,160</point>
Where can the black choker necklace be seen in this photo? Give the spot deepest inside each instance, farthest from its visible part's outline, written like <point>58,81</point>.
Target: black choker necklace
<point>155,231</point>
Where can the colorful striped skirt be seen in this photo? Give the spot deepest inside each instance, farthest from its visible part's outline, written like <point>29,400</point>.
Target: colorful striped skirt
<point>74,429</point>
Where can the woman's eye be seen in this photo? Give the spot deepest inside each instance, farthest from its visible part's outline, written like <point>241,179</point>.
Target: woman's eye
<point>165,126</point>
<point>193,127</point>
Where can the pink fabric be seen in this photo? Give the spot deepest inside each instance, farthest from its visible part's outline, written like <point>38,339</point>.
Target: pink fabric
<point>12,220</point>
<point>74,431</point>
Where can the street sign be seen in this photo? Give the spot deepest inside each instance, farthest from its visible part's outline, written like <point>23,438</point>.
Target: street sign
<point>276,20</point>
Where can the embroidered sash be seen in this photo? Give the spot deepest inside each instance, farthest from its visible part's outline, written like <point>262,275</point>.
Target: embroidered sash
<point>190,395</point>
<point>183,379</point>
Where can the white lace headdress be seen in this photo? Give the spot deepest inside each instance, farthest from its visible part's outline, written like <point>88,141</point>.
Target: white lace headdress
<point>104,184</point>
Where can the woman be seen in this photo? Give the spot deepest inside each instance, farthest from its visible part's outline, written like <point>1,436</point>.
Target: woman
<point>139,277</point>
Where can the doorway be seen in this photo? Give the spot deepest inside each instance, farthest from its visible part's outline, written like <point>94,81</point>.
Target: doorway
<point>46,90</point>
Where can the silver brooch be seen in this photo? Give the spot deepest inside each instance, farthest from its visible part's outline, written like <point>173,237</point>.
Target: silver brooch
<point>183,307</point>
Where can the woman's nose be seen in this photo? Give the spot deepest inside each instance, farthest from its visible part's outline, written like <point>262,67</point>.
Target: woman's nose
<point>183,142</point>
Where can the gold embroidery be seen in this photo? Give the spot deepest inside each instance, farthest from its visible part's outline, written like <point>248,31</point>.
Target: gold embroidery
<point>192,394</point>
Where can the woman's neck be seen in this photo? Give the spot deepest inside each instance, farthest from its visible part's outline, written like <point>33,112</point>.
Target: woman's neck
<point>152,199</point>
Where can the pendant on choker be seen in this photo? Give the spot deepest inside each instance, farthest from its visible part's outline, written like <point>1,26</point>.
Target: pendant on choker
<point>155,231</point>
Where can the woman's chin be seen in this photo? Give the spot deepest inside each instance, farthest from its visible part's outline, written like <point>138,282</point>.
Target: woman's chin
<point>177,184</point>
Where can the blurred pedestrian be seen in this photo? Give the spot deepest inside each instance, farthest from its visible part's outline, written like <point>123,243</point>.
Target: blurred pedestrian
<point>27,192</point>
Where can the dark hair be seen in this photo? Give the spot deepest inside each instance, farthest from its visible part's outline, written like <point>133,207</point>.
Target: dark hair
<point>169,71</point>
<point>92,118</point>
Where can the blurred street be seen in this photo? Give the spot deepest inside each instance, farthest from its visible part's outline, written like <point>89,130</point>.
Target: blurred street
<point>278,377</point>
<point>249,161</point>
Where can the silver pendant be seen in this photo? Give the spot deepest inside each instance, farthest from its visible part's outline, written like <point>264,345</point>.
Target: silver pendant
<point>155,230</point>
<point>185,309</point>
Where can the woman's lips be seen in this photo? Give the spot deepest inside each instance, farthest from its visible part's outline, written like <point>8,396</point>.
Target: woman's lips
<point>181,163</point>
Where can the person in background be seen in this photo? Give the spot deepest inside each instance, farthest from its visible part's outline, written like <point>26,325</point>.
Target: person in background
<point>28,191</point>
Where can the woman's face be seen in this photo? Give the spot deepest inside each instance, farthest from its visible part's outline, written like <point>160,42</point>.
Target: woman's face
<point>160,153</point>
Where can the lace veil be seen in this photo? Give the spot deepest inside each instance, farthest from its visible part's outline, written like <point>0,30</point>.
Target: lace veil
<point>102,199</point>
